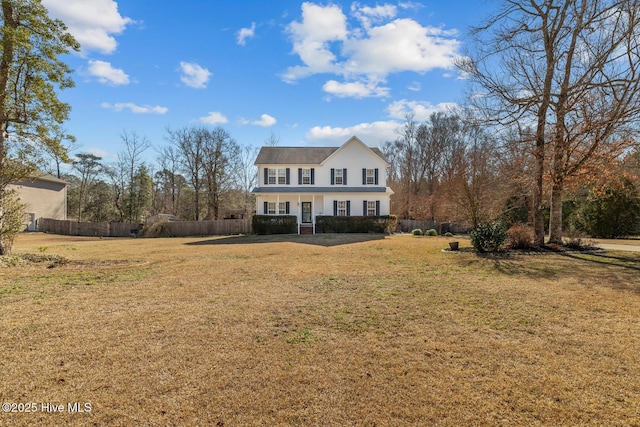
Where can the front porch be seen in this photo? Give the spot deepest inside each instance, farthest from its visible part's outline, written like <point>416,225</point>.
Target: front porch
<point>305,207</point>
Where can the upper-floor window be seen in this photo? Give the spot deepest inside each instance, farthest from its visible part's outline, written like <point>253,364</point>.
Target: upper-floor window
<point>306,176</point>
<point>338,177</point>
<point>276,176</point>
<point>370,177</point>
<point>282,176</point>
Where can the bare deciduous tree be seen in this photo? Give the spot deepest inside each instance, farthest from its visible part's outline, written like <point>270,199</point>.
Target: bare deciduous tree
<point>572,70</point>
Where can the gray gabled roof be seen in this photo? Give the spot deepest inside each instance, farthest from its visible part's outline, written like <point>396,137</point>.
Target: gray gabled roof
<point>300,155</point>
<point>293,155</point>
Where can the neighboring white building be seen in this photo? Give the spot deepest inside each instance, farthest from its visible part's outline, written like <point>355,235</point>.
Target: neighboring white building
<point>312,181</point>
<point>44,195</point>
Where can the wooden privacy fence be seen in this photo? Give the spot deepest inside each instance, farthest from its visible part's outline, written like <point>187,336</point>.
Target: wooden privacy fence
<point>208,228</point>
<point>406,225</point>
<point>120,229</point>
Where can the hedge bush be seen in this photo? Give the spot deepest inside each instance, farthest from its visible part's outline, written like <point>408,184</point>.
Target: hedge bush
<point>275,224</point>
<point>416,232</point>
<point>431,232</point>
<point>356,224</point>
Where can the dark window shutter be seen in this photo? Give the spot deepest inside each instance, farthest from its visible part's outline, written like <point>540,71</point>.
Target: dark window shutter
<point>335,208</point>
<point>299,176</point>
<point>288,176</point>
<point>364,176</point>
<point>266,208</point>
<point>344,176</point>
<point>333,176</point>
<point>364,208</point>
<point>348,207</point>
<point>287,208</point>
<point>266,176</point>
<point>376,176</point>
<point>377,207</point>
<point>313,176</point>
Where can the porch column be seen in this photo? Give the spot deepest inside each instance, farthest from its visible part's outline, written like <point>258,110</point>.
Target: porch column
<point>299,213</point>
<point>313,212</point>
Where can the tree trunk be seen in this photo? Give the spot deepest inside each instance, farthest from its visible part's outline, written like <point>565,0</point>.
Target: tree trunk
<point>555,220</point>
<point>538,212</point>
<point>557,191</point>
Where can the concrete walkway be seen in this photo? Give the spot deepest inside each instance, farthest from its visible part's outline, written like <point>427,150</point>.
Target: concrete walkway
<point>611,247</point>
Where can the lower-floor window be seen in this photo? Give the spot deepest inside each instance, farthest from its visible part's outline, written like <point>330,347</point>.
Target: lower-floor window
<point>371,208</point>
<point>271,208</point>
<point>342,208</point>
<point>282,208</point>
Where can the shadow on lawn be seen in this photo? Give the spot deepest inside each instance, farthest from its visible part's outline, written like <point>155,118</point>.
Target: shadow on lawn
<point>326,240</point>
<point>628,260</point>
<point>617,271</point>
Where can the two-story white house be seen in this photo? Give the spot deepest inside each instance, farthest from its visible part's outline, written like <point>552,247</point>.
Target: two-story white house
<point>314,181</point>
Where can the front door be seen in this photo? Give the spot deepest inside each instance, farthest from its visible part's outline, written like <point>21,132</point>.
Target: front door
<point>306,212</point>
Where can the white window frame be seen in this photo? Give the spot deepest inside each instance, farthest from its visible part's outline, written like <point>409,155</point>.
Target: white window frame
<point>271,208</point>
<point>342,208</point>
<point>282,208</point>
<point>306,176</point>
<point>371,176</point>
<point>337,177</point>
<point>272,176</point>
<point>282,176</point>
<point>371,208</point>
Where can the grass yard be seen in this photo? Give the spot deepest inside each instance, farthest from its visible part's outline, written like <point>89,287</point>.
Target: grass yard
<point>317,330</point>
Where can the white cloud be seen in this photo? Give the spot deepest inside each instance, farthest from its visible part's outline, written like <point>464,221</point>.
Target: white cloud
<point>246,33</point>
<point>136,109</point>
<point>420,110</point>
<point>370,15</point>
<point>401,45</point>
<point>355,89</point>
<point>311,38</point>
<point>213,118</point>
<point>106,74</point>
<point>193,75</point>
<point>367,53</point>
<point>373,134</point>
<point>92,22</point>
<point>97,152</point>
<point>415,87</point>
<point>265,121</point>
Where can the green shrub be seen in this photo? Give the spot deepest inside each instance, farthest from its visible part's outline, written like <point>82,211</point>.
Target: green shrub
<point>275,224</point>
<point>431,232</point>
<point>158,229</point>
<point>448,234</point>
<point>356,224</point>
<point>416,232</point>
<point>489,237</point>
<point>521,237</point>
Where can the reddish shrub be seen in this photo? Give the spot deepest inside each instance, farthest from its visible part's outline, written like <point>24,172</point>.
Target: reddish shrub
<point>520,237</point>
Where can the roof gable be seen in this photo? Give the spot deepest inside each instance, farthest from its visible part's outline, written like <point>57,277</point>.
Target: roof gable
<point>355,140</point>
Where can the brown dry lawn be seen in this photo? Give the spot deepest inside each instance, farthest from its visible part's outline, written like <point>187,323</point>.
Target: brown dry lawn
<point>318,330</point>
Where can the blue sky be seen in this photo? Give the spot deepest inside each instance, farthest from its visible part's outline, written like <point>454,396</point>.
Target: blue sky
<point>310,73</point>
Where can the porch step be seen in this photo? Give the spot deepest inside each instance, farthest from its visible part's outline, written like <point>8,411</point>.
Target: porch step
<point>306,229</point>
